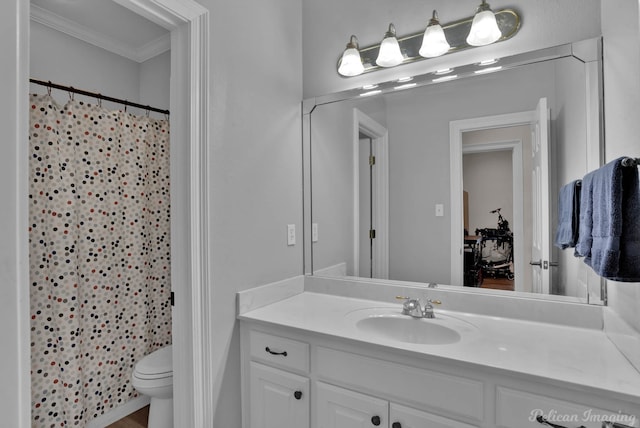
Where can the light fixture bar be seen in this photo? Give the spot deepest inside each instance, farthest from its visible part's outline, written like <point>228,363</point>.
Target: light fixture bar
<point>456,33</point>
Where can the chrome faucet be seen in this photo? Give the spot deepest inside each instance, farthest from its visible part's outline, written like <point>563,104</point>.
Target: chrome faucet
<point>413,308</point>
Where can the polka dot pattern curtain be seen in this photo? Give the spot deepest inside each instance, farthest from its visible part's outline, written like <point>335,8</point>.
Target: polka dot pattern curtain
<point>99,255</point>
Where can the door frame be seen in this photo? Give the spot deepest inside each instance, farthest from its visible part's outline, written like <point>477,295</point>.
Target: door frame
<point>515,147</point>
<point>188,22</point>
<point>456,129</point>
<point>379,135</point>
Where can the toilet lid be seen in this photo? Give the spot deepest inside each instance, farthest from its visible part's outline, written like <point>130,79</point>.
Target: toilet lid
<point>156,365</point>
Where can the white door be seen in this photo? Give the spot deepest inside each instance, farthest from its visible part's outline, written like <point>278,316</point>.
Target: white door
<point>366,208</point>
<point>406,417</point>
<point>541,245</point>
<point>341,408</point>
<point>278,399</point>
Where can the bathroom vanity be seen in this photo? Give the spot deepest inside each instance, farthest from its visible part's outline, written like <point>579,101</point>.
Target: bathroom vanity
<point>315,358</point>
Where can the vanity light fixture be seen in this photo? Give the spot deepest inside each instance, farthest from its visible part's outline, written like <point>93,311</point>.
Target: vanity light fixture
<point>445,78</point>
<point>367,87</point>
<point>405,79</point>
<point>389,54</point>
<point>351,63</point>
<point>434,42</point>
<point>484,28</point>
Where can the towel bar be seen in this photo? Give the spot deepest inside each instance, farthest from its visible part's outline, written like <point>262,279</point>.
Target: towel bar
<point>630,161</point>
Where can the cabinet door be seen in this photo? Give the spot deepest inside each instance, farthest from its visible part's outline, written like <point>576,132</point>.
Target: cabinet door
<point>278,399</point>
<point>406,417</point>
<point>342,408</point>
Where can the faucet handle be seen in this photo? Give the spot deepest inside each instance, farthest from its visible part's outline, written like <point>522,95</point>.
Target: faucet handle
<point>434,302</point>
<point>410,306</point>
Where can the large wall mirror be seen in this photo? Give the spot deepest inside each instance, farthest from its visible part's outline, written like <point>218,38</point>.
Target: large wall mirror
<point>452,177</point>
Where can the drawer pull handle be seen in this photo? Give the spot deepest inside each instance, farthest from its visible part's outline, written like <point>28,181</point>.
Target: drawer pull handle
<point>396,425</point>
<point>283,353</point>
<point>297,395</point>
<point>375,420</point>
<point>543,421</point>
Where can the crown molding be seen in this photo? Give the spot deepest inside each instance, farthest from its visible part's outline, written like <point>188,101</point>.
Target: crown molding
<point>88,35</point>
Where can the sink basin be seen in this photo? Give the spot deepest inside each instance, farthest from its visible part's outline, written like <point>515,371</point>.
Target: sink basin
<point>387,323</point>
<point>412,330</point>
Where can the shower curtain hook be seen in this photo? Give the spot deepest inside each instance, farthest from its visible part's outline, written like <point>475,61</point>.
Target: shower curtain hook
<point>49,88</point>
<point>71,96</point>
<point>148,111</point>
<point>99,99</point>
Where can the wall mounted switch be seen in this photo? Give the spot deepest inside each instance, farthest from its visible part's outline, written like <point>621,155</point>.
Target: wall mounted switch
<point>314,232</point>
<point>291,234</point>
<point>439,210</point>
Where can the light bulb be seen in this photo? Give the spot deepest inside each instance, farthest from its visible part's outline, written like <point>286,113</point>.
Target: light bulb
<point>434,42</point>
<point>484,28</point>
<point>351,62</point>
<point>389,54</point>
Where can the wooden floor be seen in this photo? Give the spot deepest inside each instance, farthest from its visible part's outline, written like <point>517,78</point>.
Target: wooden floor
<point>135,420</point>
<point>497,283</point>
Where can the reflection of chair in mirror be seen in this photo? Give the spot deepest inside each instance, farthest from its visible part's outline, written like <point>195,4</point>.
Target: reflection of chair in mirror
<point>497,249</point>
<point>472,260</point>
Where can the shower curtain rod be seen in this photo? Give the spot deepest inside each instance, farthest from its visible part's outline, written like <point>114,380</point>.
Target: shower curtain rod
<point>99,96</point>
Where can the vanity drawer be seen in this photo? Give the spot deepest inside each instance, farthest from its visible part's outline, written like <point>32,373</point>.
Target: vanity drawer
<point>279,351</point>
<point>442,393</point>
<point>519,409</point>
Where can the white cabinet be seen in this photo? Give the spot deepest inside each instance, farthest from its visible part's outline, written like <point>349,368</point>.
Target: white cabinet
<point>278,399</point>
<point>342,408</point>
<point>406,417</point>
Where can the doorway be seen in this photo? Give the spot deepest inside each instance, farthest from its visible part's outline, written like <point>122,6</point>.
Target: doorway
<point>370,197</point>
<point>188,23</point>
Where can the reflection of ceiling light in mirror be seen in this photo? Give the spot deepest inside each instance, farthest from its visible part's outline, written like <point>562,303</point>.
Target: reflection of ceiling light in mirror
<point>488,61</point>
<point>389,54</point>
<point>405,79</point>
<point>444,78</point>
<point>368,94</point>
<point>367,87</point>
<point>405,86</point>
<point>443,71</point>
<point>488,70</point>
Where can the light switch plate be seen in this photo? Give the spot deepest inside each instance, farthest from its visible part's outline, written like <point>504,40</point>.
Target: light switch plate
<point>291,234</point>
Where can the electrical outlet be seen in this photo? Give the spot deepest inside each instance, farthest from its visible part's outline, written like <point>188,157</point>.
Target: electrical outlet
<point>439,210</point>
<point>314,232</point>
<point>291,234</point>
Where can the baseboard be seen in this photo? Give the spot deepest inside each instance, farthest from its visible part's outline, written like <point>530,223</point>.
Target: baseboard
<point>120,412</point>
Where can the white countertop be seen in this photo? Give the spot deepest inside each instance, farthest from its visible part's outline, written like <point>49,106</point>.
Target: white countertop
<point>579,356</point>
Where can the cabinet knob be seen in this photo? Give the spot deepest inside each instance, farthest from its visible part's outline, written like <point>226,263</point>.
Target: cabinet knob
<point>297,395</point>
<point>375,420</point>
<point>396,425</point>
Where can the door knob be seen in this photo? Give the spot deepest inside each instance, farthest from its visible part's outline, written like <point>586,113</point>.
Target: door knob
<point>538,263</point>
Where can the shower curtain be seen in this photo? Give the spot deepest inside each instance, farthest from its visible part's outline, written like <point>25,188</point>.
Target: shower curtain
<point>99,255</point>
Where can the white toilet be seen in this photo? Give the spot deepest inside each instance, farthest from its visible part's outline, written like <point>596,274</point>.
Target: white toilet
<point>153,376</point>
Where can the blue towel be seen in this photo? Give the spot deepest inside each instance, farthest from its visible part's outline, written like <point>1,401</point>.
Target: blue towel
<point>568,215</point>
<point>609,232</point>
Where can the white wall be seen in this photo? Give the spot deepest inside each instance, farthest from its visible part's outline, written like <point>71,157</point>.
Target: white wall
<point>66,60</point>
<point>256,167</point>
<point>328,24</point>
<point>620,28</point>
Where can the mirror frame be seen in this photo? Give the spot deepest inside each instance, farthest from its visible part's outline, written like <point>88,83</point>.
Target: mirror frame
<point>587,51</point>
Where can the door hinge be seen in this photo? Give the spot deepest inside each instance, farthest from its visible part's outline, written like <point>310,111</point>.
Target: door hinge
<point>372,234</point>
<point>173,299</point>
<point>372,160</point>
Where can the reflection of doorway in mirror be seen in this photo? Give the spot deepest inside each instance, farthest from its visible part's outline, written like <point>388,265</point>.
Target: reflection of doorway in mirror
<point>494,165</point>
